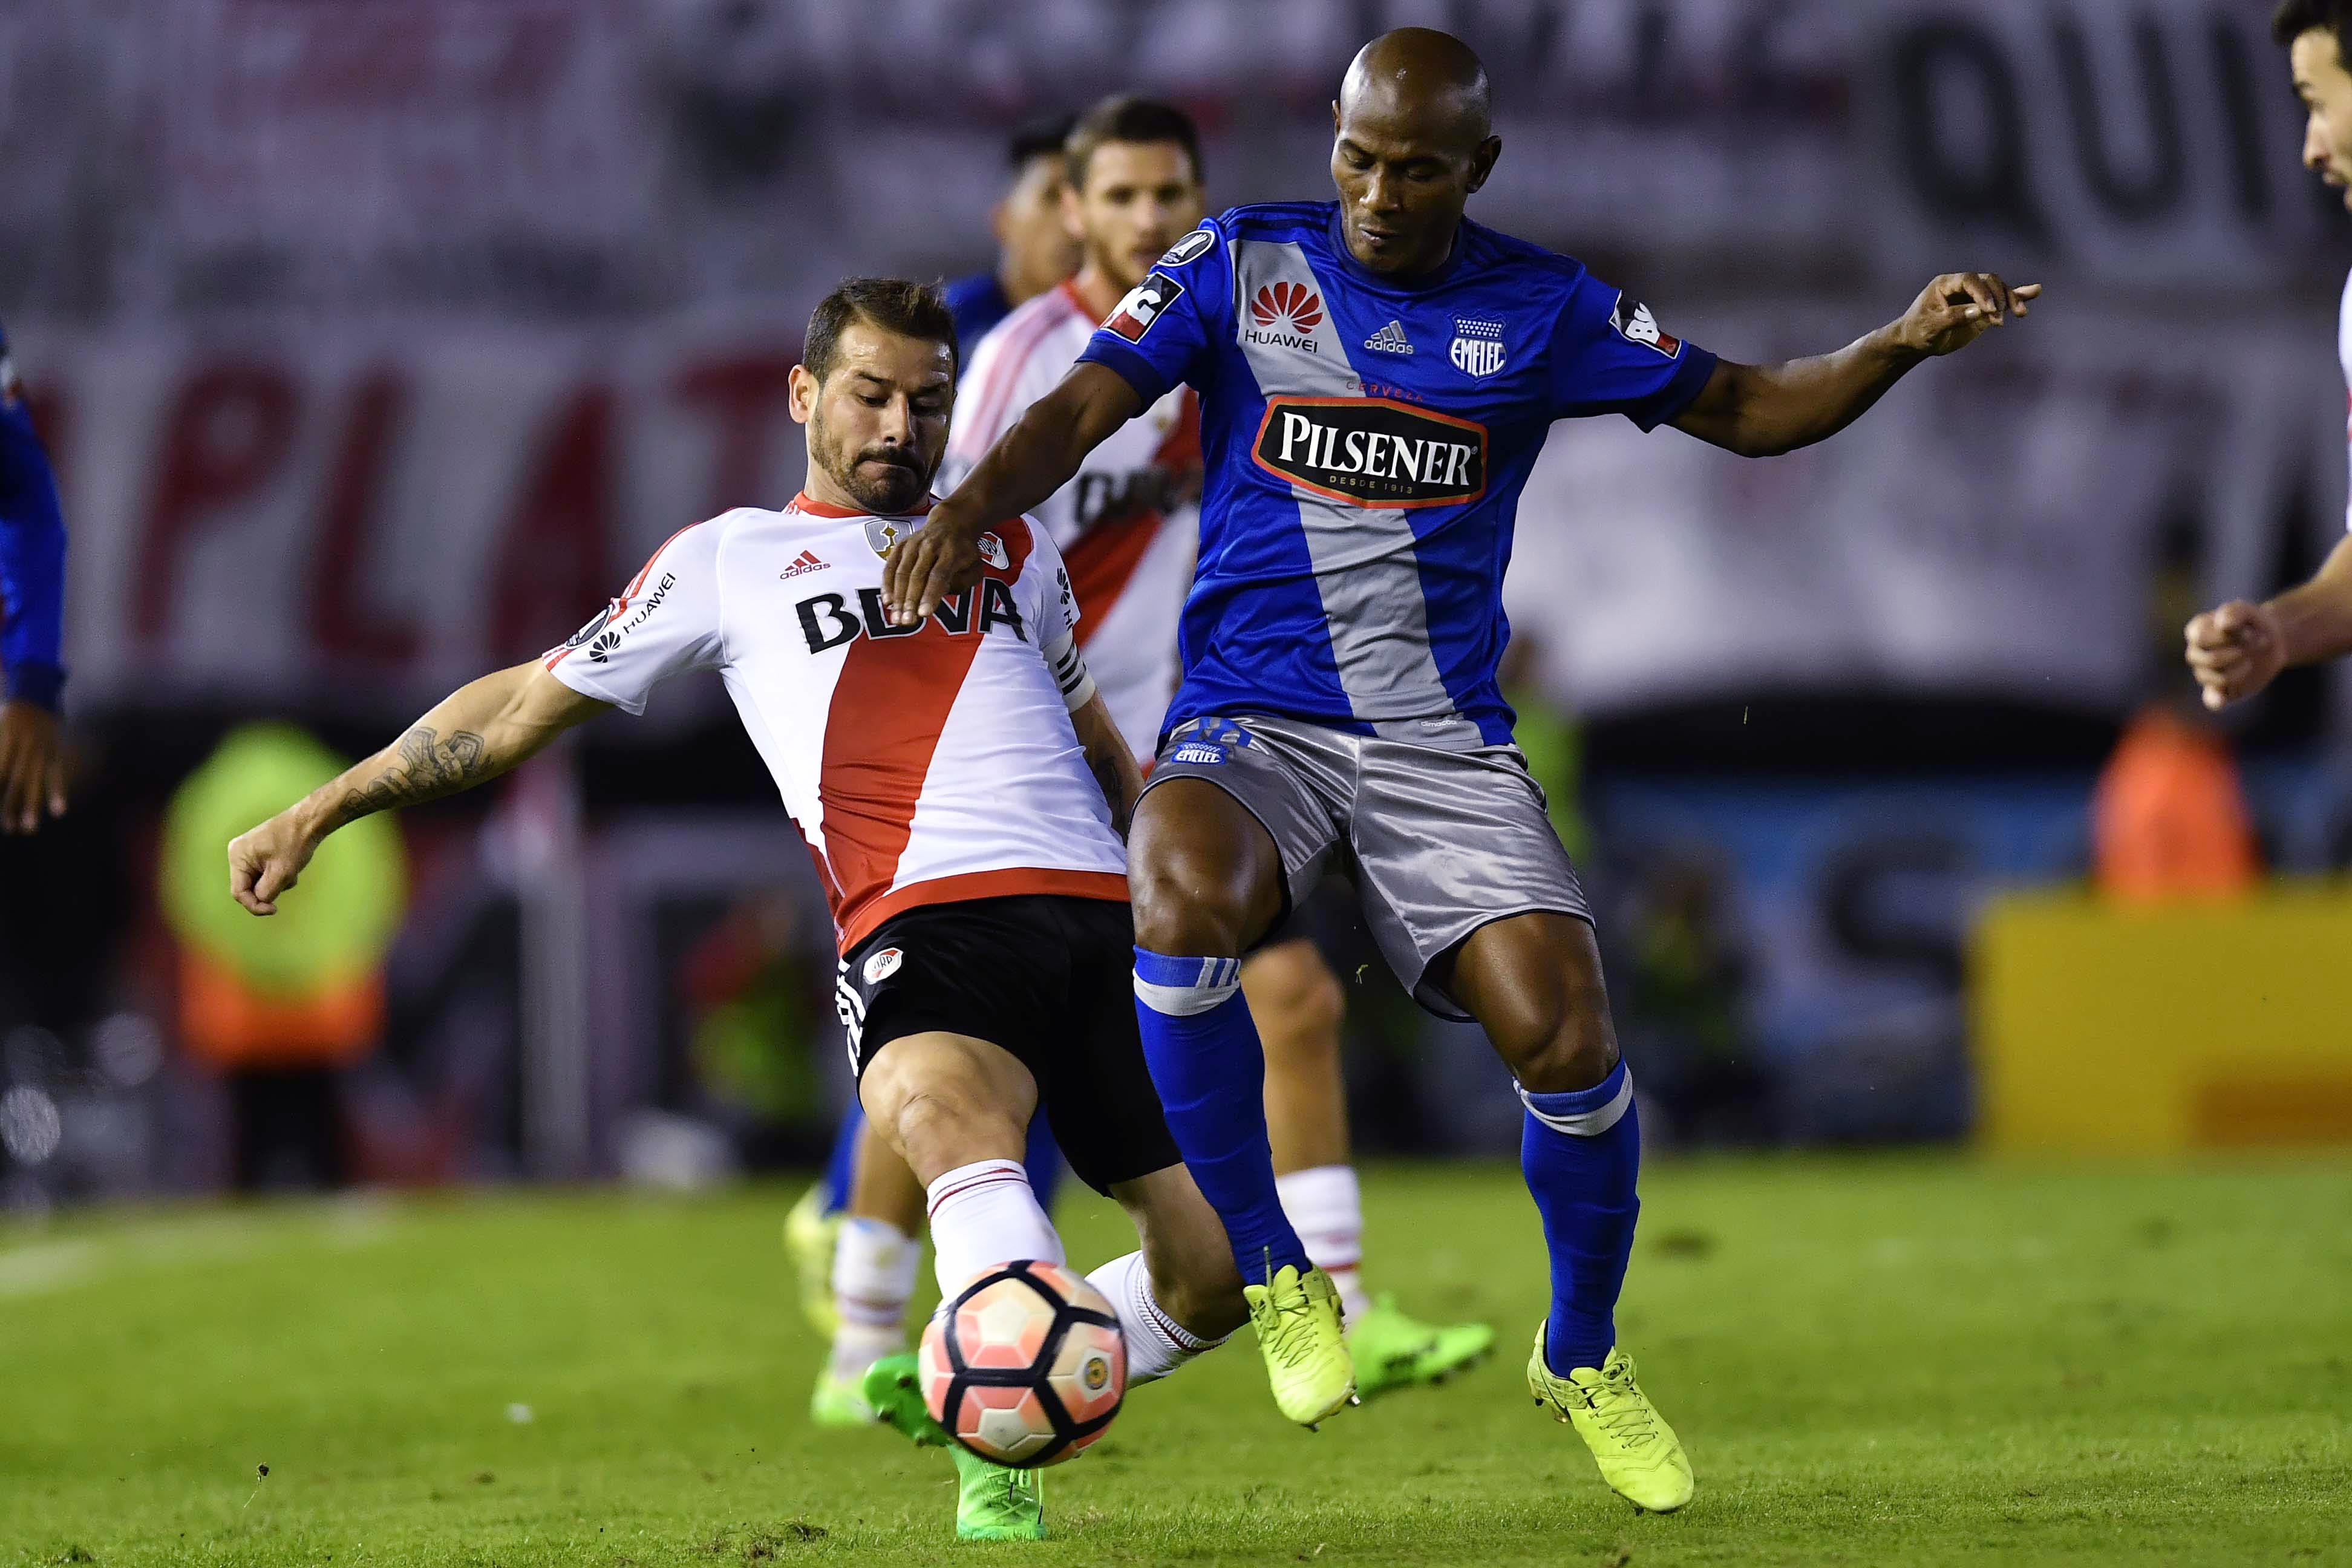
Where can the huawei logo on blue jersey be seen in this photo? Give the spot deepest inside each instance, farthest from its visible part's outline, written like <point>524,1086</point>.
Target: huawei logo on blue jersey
<point>1373,451</point>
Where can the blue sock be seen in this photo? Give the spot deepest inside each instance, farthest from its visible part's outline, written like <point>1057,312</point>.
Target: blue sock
<point>1205,1060</point>
<point>1043,1159</point>
<point>841,1165</point>
<point>1581,1152</point>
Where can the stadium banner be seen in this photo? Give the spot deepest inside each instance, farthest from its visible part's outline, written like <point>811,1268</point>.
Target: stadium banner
<point>553,159</point>
<point>358,528</point>
<point>1992,529</point>
<point>361,522</point>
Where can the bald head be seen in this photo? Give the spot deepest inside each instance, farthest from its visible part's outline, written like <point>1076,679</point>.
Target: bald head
<point>1424,70</point>
<point>1412,138</point>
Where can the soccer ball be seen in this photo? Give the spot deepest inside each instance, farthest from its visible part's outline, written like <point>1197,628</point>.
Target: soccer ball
<point>1025,1365</point>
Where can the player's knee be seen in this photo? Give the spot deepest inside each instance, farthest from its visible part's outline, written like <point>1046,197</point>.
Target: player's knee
<point>936,1114</point>
<point>1296,1000</point>
<point>1559,1043</point>
<point>1189,902</point>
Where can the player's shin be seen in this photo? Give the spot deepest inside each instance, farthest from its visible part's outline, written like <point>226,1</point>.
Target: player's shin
<point>983,1214</point>
<point>1206,1061</point>
<point>1157,1344</point>
<point>1582,1154</point>
<point>1326,1205</point>
<point>874,1264</point>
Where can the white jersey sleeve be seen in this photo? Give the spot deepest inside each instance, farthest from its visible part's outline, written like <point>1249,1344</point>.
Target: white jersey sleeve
<point>2344,358</point>
<point>1052,605</point>
<point>665,623</point>
<point>1007,374</point>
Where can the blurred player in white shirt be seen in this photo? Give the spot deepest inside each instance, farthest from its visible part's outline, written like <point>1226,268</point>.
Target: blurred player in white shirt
<point>2238,650</point>
<point>959,783</point>
<point>1127,525</point>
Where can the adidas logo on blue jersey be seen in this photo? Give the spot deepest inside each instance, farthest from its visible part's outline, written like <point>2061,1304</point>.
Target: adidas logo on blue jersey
<point>1391,339</point>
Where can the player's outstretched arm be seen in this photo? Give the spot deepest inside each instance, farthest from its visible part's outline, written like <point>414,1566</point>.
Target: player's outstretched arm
<point>1037,457</point>
<point>2236,650</point>
<point>1109,759</point>
<point>474,735</point>
<point>1762,411</point>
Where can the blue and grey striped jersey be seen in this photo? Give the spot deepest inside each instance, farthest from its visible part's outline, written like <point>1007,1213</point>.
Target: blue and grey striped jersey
<point>1365,442</point>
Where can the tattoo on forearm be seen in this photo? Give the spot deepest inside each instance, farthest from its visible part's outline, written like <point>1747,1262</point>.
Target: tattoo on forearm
<point>419,769</point>
<point>1106,774</point>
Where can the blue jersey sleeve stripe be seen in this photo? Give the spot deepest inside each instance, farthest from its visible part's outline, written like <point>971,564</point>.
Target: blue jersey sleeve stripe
<point>1110,350</point>
<point>1690,379</point>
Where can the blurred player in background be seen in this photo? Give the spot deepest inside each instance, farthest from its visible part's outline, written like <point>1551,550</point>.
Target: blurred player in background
<point>2238,650</point>
<point>1376,377</point>
<point>985,939</point>
<point>1034,250</point>
<point>855,1279</point>
<point>32,618</point>
<point>1128,525</point>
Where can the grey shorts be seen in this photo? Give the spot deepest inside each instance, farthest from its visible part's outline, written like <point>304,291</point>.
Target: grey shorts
<point>1438,843</point>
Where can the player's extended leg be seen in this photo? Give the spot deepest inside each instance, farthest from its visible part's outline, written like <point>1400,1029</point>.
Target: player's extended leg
<point>1179,1295</point>
<point>1207,882</point>
<point>955,1110</point>
<point>877,1245</point>
<point>812,1226</point>
<point>1298,1006</point>
<point>1534,981</point>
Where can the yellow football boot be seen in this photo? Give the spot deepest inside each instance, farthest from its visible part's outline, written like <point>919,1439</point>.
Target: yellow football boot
<point>1297,1318</point>
<point>1636,1450</point>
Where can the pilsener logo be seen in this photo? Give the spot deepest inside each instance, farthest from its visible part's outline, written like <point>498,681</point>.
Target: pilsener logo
<point>1372,452</point>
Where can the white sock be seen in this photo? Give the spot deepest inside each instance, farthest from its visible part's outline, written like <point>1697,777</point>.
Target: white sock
<point>1156,1344</point>
<point>1328,1212</point>
<point>873,1280</point>
<point>983,1214</point>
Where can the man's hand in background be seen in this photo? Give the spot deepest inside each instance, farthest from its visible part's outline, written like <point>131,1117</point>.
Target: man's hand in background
<point>32,767</point>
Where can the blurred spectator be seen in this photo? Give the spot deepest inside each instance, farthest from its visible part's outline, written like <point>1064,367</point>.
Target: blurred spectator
<point>278,1007</point>
<point>2169,820</point>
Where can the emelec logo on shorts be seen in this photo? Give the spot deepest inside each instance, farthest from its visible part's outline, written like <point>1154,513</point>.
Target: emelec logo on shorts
<point>827,621</point>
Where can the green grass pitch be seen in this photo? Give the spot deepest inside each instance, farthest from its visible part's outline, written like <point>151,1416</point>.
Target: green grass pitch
<point>1873,1361</point>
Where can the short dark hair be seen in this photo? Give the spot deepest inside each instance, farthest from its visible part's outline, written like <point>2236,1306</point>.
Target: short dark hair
<point>2293,18</point>
<point>1126,118</point>
<point>1035,139</point>
<point>894,304</point>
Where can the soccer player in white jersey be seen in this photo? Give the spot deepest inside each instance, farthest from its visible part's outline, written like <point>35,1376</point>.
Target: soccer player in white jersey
<point>2238,650</point>
<point>959,784</point>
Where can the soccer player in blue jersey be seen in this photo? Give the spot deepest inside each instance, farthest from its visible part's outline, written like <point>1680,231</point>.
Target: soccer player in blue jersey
<point>32,618</point>
<point>1376,377</point>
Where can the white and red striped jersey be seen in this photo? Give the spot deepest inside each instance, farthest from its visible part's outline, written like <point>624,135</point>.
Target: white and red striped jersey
<point>1127,525</point>
<point>923,766</point>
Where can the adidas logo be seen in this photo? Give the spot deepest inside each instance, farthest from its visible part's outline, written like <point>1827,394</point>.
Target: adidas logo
<point>1390,340</point>
<point>807,563</point>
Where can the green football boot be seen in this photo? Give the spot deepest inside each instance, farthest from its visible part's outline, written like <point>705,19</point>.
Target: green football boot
<point>1636,1450</point>
<point>1297,1319</point>
<point>1393,1350</point>
<point>994,1503</point>
<point>810,1234</point>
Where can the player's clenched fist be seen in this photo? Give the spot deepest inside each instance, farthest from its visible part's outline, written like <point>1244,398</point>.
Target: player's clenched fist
<point>264,861</point>
<point>2235,651</point>
<point>1959,308</point>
